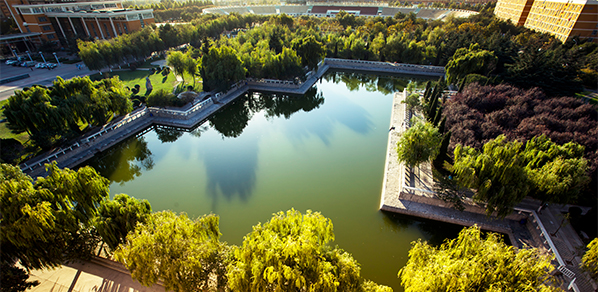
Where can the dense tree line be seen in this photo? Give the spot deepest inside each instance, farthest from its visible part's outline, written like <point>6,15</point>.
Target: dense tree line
<point>141,44</point>
<point>266,45</point>
<point>50,115</point>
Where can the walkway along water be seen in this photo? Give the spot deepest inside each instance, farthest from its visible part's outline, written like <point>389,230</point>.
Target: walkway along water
<point>410,191</point>
<point>115,132</point>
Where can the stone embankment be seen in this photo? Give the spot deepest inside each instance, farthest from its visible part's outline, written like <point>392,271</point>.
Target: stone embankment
<point>113,133</point>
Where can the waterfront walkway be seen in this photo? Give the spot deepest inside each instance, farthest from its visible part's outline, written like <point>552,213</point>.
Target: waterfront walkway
<point>409,191</point>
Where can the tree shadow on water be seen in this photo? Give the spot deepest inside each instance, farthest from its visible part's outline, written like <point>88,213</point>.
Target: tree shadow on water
<point>124,161</point>
<point>435,232</point>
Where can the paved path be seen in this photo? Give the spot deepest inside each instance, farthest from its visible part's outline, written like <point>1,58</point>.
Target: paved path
<point>87,276</point>
<point>37,76</point>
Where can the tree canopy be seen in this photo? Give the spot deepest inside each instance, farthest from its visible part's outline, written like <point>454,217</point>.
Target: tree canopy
<point>473,60</point>
<point>559,173</point>
<point>419,144</point>
<point>473,262</point>
<point>182,253</point>
<point>290,252</point>
<point>117,217</point>
<point>220,68</point>
<point>47,222</point>
<point>52,114</point>
<point>497,173</point>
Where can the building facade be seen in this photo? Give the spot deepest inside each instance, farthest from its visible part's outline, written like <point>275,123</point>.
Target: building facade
<point>561,18</point>
<point>64,20</point>
<point>516,11</point>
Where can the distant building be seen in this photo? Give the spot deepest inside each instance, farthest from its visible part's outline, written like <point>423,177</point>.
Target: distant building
<point>561,18</point>
<point>59,20</point>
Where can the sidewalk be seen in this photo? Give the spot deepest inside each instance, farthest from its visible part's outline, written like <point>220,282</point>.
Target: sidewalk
<point>85,277</point>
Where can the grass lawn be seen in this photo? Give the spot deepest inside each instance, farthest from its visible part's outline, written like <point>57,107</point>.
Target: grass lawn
<point>188,80</point>
<point>131,78</point>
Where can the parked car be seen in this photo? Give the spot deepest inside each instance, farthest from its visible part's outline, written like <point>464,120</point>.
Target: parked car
<point>51,65</point>
<point>11,61</point>
<point>28,64</point>
<point>17,62</point>
<point>41,66</point>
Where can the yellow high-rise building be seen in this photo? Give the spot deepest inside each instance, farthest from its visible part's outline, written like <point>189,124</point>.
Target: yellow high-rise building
<point>561,18</point>
<point>514,10</point>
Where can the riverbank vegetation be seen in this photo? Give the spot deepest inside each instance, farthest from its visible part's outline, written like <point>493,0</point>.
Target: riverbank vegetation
<point>68,214</point>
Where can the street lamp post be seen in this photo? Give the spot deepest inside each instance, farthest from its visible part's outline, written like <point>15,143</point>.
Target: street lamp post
<point>28,52</point>
<point>14,53</point>
<point>43,60</point>
<point>55,55</point>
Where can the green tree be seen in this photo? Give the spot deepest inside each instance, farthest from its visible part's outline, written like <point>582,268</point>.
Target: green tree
<point>472,262</point>
<point>589,260</point>
<point>412,102</point>
<point>498,174</point>
<point>184,254</point>
<point>290,252</point>
<point>117,217</point>
<point>47,222</point>
<point>310,50</point>
<point>471,60</point>
<point>176,60</point>
<point>558,172</point>
<point>221,67</point>
<point>418,144</point>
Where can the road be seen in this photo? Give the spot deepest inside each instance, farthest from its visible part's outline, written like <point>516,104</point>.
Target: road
<point>37,76</point>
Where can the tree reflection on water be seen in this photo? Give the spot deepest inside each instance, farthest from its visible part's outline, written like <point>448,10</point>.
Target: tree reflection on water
<point>124,161</point>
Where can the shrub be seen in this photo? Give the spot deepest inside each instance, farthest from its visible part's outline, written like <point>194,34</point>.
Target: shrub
<point>160,98</point>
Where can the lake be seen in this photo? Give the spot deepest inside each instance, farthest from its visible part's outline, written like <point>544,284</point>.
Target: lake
<point>324,151</point>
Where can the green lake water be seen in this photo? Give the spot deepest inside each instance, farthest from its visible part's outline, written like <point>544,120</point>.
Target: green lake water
<point>264,153</point>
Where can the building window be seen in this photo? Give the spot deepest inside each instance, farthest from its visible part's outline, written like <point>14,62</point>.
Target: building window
<point>125,28</point>
<point>594,32</point>
<point>118,28</point>
<point>106,29</point>
<point>42,19</point>
<point>46,27</point>
<point>27,29</point>
<point>51,36</point>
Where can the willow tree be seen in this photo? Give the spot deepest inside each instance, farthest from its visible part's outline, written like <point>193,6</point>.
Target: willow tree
<point>470,60</point>
<point>473,262</point>
<point>558,173</point>
<point>184,254</point>
<point>47,222</point>
<point>497,174</point>
<point>221,67</point>
<point>291,252</point>
<point>419,144</point>
<point>117,217</point>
